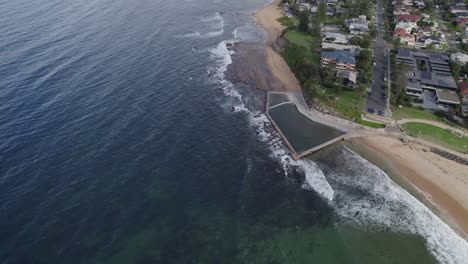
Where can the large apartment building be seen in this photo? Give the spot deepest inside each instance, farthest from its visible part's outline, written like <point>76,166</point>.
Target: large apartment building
<point>339,59</point>
<point>428,71</point>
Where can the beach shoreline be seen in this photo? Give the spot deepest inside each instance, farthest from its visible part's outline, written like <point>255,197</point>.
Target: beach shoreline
<point>440,181</point>
<point>430,177</point>
<point>267,19</point>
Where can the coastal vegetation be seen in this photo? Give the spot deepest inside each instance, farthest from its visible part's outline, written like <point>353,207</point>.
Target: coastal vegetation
<point>302,54</point>
<point>437,135</point>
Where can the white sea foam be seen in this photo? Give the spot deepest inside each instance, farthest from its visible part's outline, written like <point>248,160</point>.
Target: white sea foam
<point>198,35</point>
<point>314,178</point>
<point>223,59</point>
<point>215,23</point>
<point>371,198</point>
<point>215,18</point>
<point>378,200</point>
<point>234,33</point>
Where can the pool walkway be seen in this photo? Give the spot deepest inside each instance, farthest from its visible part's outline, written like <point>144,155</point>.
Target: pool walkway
<point>348,129</point>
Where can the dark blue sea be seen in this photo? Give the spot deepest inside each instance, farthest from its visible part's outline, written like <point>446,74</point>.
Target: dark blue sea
<point>121,141</point>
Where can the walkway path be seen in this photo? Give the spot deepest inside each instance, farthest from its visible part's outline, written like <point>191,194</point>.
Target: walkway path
<point>431,122</point>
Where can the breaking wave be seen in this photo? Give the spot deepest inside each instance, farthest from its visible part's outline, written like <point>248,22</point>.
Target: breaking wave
<point>215,24</point>
<point>314,178</point>
<point>368,197</point>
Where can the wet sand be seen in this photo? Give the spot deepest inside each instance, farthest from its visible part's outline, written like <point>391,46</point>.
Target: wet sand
<point>267,19</point>
<point>258,65</point>
<point>441,181</point>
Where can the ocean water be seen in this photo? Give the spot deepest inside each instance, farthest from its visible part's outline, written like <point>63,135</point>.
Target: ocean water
<point>122,142</point>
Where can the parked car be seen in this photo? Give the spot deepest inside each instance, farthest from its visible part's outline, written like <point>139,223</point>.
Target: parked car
<point>381,113</point>
<point>371,111</point>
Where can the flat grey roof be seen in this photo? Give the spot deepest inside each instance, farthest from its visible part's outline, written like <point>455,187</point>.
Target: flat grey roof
<point>447,97</point>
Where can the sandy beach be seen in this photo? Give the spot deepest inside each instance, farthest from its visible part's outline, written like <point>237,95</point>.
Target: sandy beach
<point>267,19</point>
<point>441,181</point>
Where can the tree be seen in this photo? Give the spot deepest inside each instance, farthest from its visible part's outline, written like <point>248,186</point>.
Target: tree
<point>396,42</point>
<point>316,29</point>
<point>399,83</point>
<point>322,9</point>
<point>303,22</point>
<point>456,68</point>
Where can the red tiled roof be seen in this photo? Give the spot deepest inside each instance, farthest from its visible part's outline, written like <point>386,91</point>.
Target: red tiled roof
<point>427,29</point>
<point>463,22</point>
<point>401,32</point>
<point>412,18</point>
<point>464,88</point>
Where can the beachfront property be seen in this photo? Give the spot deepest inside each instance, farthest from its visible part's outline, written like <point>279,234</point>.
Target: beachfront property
<point>340,59</point>
<point>333,46</point>
<point>330,28</point>
<point>349,78</point>
<point>338,38</point>
<point>429,72</point>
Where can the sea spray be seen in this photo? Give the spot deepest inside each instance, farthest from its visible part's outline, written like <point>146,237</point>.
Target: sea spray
<point>313,177</point>
<point>369,198</point>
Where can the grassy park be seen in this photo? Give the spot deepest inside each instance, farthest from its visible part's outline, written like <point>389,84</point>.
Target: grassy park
<point>437,135</point>
<point>409,112</point>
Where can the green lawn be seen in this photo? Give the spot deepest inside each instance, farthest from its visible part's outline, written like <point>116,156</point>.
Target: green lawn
<point>347,102</point>
<point>302,39</point>
<point>437,135</point>
<point>370,124</point>
<point>287,21</point>
<point>307,45</point>
<point>407,112</point>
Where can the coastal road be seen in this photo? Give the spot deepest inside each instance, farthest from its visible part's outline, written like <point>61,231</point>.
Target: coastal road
<point>377,99</point>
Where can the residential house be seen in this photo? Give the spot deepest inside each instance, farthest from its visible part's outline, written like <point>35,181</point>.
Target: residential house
<point>459,57</point>
<point>464,92</point>
<point>420,4</point>
<point>349,77</point>
<point>333,37</point>
<point>405,25</point>
<point>404,36</point>
<point>464,96</point>
<point>341,10</point>
<point>340,59</point>
<point>426,41</point>
<point>425,31</point>
<point>358,28</point>
<point>409,19</point>
<point>333,46</point>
